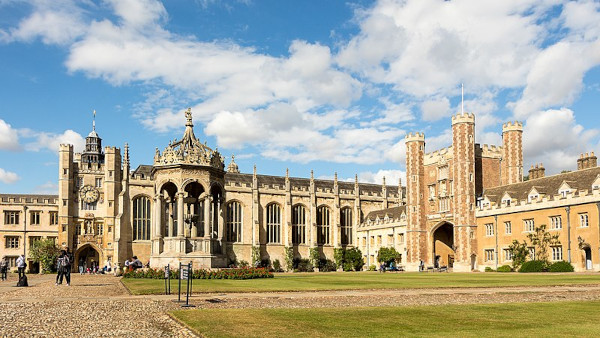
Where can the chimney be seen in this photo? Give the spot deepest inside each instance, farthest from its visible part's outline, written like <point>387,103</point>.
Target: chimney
<point>587,161</point>
<point>537,172</point>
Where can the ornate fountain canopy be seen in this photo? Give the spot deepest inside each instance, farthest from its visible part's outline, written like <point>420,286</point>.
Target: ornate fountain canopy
<point>189,150</point>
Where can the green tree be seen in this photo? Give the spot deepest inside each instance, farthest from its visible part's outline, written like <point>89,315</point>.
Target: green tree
<point>519,253</point>
<point>289,258</point>
<point>45,252</point>
<point>388,255</point>
<point>541,239</point>
<point>353,259</point>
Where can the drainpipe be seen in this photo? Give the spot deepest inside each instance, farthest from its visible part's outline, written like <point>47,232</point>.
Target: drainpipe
<point>25,231</point>
<point>568,209</point>
<point>496,233</point>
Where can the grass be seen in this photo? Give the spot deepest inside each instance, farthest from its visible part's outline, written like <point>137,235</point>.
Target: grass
<point>497,320</point>
<point>363,280</point>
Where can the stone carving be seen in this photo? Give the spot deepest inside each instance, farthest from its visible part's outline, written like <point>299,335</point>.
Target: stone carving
<point>189,150</point>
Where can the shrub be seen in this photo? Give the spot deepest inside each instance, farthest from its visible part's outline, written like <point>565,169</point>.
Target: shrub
<point>314,256</point>
<point>561,266</point>
<point>533,266</point>
<point>243,264</point>
<point>240,273</point>
<point>488,269</point>
<point>504,268</point>
<point>355,258</point>
<point>289,258</point>
<point>372,267</point>
<point>277,266</point>
<point>388,255</point>
<point>327,265</point>
<point>303,265</point>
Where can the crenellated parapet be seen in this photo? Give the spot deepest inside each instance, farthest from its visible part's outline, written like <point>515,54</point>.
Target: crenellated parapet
<point>463,118</point>
<point>415,137</point>
<point>512,126</point>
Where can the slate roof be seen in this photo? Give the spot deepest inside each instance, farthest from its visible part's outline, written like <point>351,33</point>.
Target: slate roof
<point>394,213</point>
<point>549,185</point>
<point>143,169</point>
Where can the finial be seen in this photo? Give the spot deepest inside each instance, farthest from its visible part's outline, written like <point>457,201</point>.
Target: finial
<point>312,174</point>
<point>188,117</point>
<point>287,172</point>
<point>355,178</point>
<point>255,170</point>
<point>383,183</point>
<point>335,176</point>
<point>232,158</point>
<point>94,121</point>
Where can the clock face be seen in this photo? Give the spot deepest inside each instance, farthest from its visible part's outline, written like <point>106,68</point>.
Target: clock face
<point>89,194</point>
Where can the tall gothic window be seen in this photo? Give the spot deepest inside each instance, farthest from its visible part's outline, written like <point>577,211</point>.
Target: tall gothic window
<point>299,225</point>
<point>346,224</point>
<point>273,223</point>
<point>141,218</point>
<point>234,222</point>
<point>323,225</point>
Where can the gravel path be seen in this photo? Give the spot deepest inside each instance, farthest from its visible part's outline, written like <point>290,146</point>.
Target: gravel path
<point>94,306</point>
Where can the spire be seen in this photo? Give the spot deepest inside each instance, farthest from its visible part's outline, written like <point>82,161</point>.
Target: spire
<point>287,173</point>
<point>312,174</point>
<point>94,121</point>
<point>126,156</point>
<point>383,183</point>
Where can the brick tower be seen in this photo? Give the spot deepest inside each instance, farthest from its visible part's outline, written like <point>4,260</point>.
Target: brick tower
<point>415,187</point>
<point>512,153</point>
<point>463,168</point>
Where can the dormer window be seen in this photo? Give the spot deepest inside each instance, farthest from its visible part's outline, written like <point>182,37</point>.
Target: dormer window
<point>564,193</point>
<point>533,197</point>
<point>506,202</point>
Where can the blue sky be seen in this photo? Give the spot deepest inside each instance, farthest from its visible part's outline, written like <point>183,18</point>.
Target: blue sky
<point>332,86</point>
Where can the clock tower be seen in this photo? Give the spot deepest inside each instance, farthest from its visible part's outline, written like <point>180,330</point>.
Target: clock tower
<point>89,186</point>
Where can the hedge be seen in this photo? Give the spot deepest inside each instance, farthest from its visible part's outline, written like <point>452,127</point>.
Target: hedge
<point>504,268</point>
<point>561,266</point>
<point>238,273</point>
<point>533,266</point>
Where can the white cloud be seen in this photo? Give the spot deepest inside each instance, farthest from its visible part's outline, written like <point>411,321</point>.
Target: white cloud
<point>8,177</point>
<point>391,177</point>
<point>436,109</point>
<point>54,21</point>
<point>48,188</point>
<point>9,138</point>
<point>51,141</point>
<point>554,138</point>
<point>556,77</point>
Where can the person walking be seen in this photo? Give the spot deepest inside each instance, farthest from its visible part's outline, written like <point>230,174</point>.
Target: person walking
<point>21,265</point>
<point>69,266</point>
<point>3,268</point>
<point>62,264</point>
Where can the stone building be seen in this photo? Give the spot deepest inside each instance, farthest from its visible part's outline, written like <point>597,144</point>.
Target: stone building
<point>188,205</point>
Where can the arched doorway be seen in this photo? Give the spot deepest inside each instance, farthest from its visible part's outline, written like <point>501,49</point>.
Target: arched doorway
<point>86,257</point>
<point>443,244</point>
<point>588,258</point>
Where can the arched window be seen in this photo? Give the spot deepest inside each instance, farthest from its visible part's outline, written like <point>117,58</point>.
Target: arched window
<point>346,224</point>
<point>273,223</point>
<point>141,218</point>
<point>299,225</point>
<point>323,225</point>
<point>234,222</point>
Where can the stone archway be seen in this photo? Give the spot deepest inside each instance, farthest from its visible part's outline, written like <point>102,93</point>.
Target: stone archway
<point>443,245</point>
<point>86,256</point>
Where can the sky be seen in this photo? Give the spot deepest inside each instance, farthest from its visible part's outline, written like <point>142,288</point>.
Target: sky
<point>330,86</point>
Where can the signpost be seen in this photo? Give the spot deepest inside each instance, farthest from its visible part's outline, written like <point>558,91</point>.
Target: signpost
<point>167,280</point>
<point>187,274</point>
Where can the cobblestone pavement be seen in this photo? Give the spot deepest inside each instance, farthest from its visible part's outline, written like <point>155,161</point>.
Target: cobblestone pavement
<point>93,306</point>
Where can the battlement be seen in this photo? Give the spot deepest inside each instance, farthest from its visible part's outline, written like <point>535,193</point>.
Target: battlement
<point>512,126</point>
<point>111,150</point>
<point>490,150</point>
<point>415,137</point>
<point>463,118</point>
<point>65,147</point>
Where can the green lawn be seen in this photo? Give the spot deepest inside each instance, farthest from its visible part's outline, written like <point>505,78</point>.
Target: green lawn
<point>363,280</point>
<point>558,319</point>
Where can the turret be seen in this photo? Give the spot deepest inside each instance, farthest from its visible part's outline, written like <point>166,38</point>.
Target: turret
<point>415,187</point>
<point>512,153</point>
